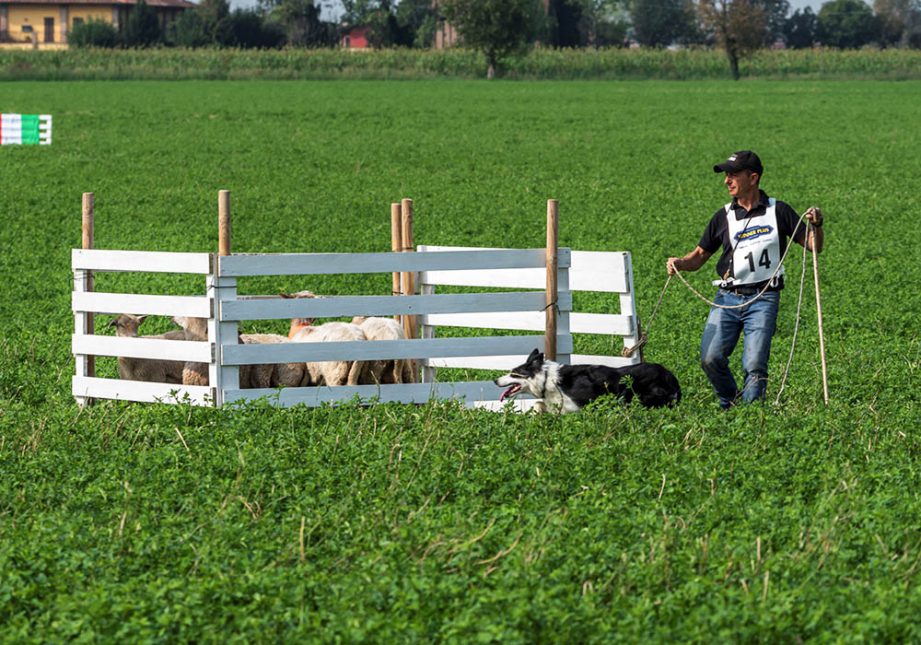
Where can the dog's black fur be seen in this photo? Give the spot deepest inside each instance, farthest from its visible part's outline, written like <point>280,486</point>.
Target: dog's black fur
<point>567,388</point>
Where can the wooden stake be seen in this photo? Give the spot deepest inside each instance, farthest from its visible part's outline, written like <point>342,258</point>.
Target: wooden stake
<point>220,289</point>
<point>89,207</point>
<point>396,245</point>
<point>408,277</point>
<point>553,227</point>
<point>223,210</point>
<point>818,306</point>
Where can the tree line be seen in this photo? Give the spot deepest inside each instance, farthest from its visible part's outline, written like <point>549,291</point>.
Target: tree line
<point>501,28</point>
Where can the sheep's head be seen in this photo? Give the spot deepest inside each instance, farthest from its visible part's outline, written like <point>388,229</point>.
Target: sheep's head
<point>297,324</point>
<point>127,324</point>
<point>196,326</point>
<point>300,326</point>
<point>357,320</point>
<point>300,294</point>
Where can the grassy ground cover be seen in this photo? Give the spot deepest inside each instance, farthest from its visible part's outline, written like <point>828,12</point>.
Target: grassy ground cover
<point>566,64</point>
<point>139,523</point>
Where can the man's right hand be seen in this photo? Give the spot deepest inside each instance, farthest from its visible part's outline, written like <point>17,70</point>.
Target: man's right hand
<point>671,265</point>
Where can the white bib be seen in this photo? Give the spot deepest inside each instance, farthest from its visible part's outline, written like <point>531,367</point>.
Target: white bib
<point>756,246</point>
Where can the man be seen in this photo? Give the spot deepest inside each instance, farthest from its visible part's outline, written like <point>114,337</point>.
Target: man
<point>752,231</point>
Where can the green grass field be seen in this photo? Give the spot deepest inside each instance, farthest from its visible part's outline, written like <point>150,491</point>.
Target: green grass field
<point>136,523</point>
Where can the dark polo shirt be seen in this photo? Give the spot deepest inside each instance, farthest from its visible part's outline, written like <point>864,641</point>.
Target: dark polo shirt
<point>717,231</point>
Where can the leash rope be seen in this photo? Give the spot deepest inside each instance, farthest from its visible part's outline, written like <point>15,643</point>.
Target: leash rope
<point>799,303</point>
<point>627,352</point>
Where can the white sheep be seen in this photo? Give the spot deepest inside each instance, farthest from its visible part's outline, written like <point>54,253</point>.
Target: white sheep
<point>251,376</point>
<point>145,369</point>
<point>393,371</point>
<point>333,372</point>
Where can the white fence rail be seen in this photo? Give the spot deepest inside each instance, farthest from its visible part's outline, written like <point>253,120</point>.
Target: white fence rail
<point>594,271</point>
<point>516,311</point>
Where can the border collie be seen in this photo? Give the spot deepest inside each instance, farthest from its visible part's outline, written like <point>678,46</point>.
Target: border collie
<point>568,388</point>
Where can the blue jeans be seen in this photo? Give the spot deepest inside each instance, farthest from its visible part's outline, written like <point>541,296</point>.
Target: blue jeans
<point>721,335</point>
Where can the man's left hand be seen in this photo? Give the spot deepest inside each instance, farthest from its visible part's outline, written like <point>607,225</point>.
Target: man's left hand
<point>814,216</point>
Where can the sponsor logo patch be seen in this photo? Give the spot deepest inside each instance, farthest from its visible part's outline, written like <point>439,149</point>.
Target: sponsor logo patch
<point>753,233</point>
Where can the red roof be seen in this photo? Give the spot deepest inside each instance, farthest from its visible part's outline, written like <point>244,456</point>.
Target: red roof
<point>177,4</point>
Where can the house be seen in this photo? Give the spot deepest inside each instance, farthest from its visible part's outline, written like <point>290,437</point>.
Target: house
<point>46,22</point>
<point>355,37</point>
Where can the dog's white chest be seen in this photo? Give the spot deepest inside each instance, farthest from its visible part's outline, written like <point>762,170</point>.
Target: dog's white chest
<point>554,399</point>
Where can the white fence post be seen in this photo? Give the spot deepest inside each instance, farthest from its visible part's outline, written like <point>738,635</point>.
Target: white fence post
<point>628,307</point>
<point>82,326</point>
<point>221,377</point>
<point>428,372</point>
<point>562,316</point>
<point>84,321</point>
<point>220,290</point>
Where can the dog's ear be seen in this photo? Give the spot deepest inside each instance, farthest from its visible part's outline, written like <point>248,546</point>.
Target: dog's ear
<point>535,357</point>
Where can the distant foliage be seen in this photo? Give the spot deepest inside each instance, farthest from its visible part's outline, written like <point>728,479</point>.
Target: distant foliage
<point>801,29</point>
<point>299,23</point>
<point>539,64</point>
<point>416,23</point>
<point>847,24</point>
<point>208,24</point>
<point>775,12</point>
<point>248,30</point>
<point>899,22</point>
<point>497,28</point>
<point>603,23</point>
<point>93,33</point>
<point>659,23</point>
<point>142,28</point>
<point>740,28</point>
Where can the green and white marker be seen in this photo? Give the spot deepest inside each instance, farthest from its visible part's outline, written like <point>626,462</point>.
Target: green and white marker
<point>25,129</point>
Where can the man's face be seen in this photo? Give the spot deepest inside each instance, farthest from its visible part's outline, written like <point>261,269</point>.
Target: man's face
<point>740,182</point>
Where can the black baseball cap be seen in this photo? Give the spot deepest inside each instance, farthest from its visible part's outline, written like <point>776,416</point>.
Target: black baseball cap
<point>741,160</point>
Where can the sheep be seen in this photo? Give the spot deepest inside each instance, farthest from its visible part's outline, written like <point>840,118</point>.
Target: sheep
<point>329,372</point>
<point>393,371</point>
<point>333,372</point>
<point>251,376</point>
<point>145,369</point>
<point>298,324</point>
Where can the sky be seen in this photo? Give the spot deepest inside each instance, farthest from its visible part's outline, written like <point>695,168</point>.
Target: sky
<point>332,9</point>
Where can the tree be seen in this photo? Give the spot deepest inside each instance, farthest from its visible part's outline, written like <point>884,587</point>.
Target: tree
<point>210,23</point>
<point>899,21</point>
<point>142,28</point>
<point>249,30</point>
<point>800,29</point>
<point>659,23</point>
<point>416,23</point>
<point>188,30</point>
<point>95,32</point>
<point>847,24</point>
<point>740,27</point>
<point>497,28</point>
<point>563,18</point>
<point>300,22</point>
<point>604,22</point>
<point>776,13</point>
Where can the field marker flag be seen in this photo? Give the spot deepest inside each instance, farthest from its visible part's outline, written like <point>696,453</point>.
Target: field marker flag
<point>25,129</point>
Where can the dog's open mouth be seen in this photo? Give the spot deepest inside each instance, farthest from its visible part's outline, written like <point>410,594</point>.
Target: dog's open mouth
<point>510,392</point>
